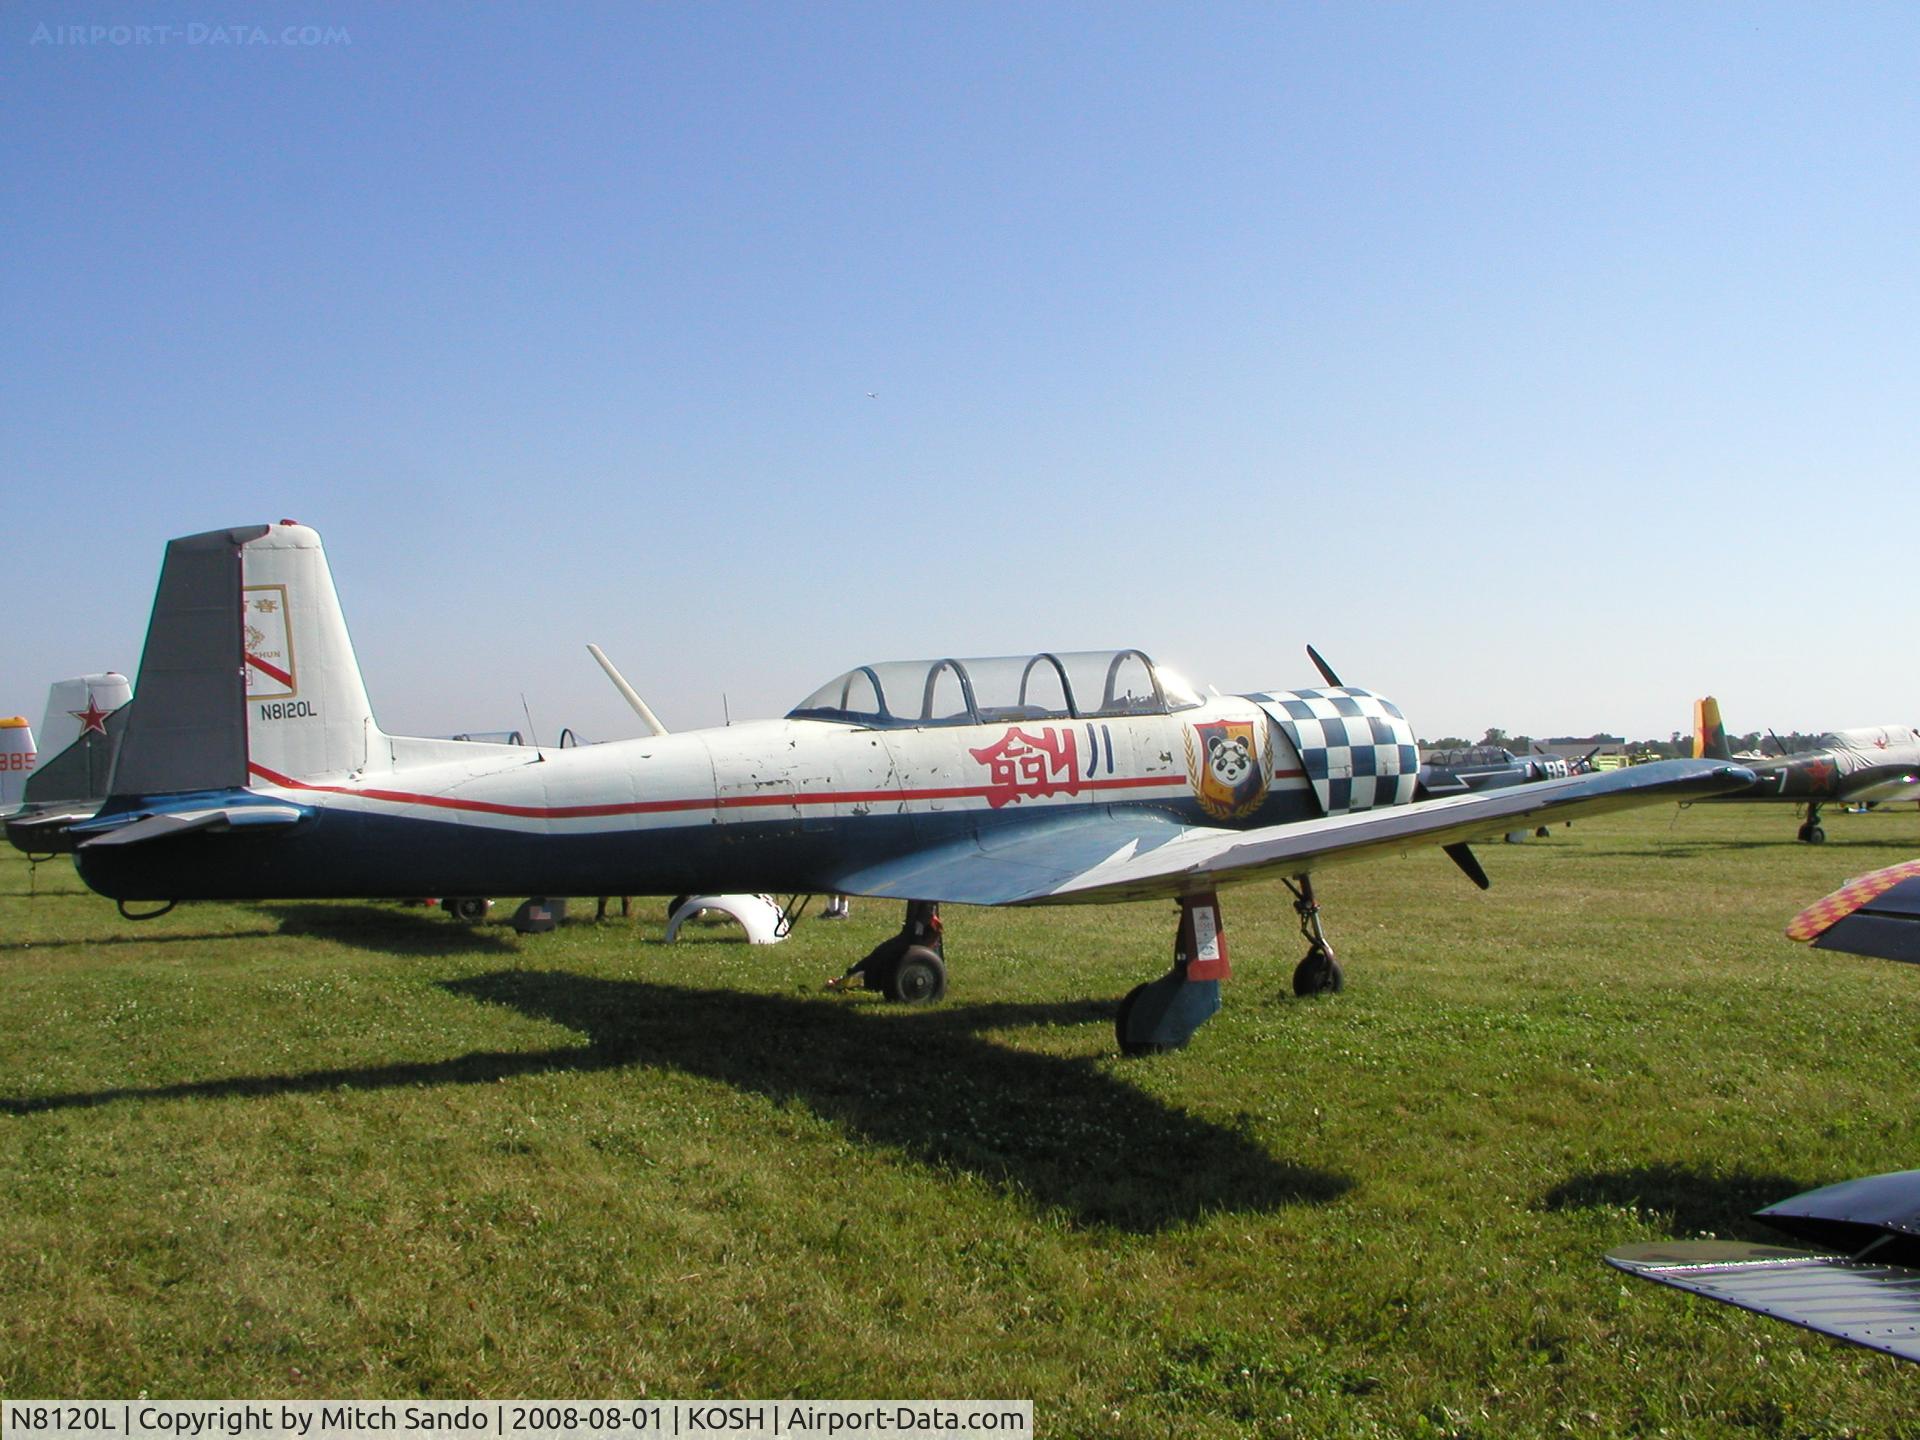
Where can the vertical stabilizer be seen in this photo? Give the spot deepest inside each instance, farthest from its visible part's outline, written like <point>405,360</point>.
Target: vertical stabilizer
<point>248,673</point>
<point>86,718</point>
<point>189,730</point>
<point>80,706</point>
<point>17,757</point>
<point>306,706</point>
<point>1709,735</point>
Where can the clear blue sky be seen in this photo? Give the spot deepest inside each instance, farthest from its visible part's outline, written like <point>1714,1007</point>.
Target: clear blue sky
<point>1544,365</point>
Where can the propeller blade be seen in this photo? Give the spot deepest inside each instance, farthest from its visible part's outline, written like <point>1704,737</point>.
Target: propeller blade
<point>1469,864</point>
<point>1326,670</point>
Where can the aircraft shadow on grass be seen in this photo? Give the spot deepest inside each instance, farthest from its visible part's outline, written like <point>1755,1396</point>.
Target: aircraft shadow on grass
<point>407,933</point>
<point>88,942</point>
<point>1061,1133</point>
<point>1689,849</point>
<point>1694,1202</point>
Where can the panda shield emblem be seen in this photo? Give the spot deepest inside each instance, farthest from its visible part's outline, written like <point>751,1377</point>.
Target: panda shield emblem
<point>1228,767</point>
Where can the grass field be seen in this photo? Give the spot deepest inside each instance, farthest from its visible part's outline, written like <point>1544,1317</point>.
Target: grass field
<point>336,1150</point>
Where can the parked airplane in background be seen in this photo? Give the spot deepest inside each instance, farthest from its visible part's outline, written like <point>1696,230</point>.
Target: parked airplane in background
<point>1865,1288</point>
<point>1872,764</point>
<point>1863,1284</point>
<point>1485,767</point>
<point>1465,769</point>
<point>18,756</point>
<point>1874,914</point>
<point>86,717</point>
<point>252,768</point>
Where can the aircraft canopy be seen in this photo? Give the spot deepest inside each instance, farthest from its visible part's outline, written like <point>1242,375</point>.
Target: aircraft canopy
<point>1071,685</point>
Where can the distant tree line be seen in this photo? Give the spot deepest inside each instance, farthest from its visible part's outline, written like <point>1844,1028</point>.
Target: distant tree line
<point>1676,746</point>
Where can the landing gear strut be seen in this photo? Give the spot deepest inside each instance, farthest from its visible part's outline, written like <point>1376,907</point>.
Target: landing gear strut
<point>1811,832</point>
<point>1163,1014</point>
<point>911,967</point>
<point>1319,973</point>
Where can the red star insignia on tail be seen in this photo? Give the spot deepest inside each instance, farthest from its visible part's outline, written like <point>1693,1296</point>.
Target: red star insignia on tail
<point>93,718</point>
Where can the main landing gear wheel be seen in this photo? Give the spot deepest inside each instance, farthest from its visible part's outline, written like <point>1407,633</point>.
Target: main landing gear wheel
<point>918,977</point>
<point>908,968</point>
<point>1813,834</point>
<point>467,909</point>
<point>1318,974</point>
<point>673,905</point>
<point>1131,1048</point>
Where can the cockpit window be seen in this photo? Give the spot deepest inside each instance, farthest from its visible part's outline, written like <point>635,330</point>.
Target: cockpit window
<point>861,693</point>
<point>947,697</point>
<point>1077,684</point>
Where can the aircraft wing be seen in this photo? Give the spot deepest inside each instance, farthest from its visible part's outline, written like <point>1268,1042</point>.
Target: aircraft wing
<point>1135,853</point>
<point>1897,791</point>
<point>1868,1293</point>
<point>1876,914</point>
<point>1873,1305</point>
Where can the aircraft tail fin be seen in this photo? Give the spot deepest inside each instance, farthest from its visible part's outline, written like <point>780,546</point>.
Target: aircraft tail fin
<point>17,757</point>
<point>248,670</point>
<point>86,717</point>
<point>1709,735</point>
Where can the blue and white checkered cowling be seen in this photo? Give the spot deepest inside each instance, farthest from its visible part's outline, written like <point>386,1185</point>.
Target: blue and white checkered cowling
<point>1357,748</point>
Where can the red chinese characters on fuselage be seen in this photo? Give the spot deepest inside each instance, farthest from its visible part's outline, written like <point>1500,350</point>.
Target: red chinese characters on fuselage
<point>1021,764</point>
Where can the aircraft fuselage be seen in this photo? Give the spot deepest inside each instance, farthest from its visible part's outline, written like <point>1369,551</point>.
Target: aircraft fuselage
<point>769,805</point>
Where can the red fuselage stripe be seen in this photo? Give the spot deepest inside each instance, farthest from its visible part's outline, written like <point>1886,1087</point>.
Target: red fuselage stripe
<point>700,802</point>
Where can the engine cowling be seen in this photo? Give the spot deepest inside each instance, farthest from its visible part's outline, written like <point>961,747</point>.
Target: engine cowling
<point>1357,749</point>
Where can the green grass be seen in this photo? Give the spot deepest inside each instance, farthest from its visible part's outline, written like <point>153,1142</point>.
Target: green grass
<point>355,1150</point>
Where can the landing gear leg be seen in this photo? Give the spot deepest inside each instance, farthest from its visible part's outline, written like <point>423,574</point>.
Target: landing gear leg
<point>1163,1014</point>
<point>1319,973</point>
<point>1811,832</point>
<point>911,967</point>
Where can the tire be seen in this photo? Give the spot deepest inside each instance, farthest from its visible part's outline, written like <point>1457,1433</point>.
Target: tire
<point>1318,974</point>
<point>467,909</point>
<point>673,905</point>
<point>1816,835</point>
<point>918,977</point>
<point>1133,1048</point>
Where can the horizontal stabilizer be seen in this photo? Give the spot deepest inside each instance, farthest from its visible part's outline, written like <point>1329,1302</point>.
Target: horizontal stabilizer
<point>54,817</point>
<point>1877,1306</point>
<point>133,828</point>
<point>41,831</point>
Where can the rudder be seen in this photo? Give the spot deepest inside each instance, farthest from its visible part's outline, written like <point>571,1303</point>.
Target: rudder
<point>248,672</point>
<point>1709,735</point>
<point>306,705</point>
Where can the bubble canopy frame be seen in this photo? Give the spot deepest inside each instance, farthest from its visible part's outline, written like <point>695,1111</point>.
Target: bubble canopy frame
<point>1000,689</point>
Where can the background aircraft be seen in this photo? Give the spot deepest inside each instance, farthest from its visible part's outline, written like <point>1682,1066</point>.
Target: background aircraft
<point>86,716</point>
<point>1865,1289</point>
<point>252,767</point>
<point>18,756</point>
<point>1875,914</point>
<point>1485,767</point>
<point>1868,1290</point>
<point>1865,765</point>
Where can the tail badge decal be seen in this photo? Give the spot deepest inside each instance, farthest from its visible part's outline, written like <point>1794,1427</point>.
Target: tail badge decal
<point>269,668</point>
